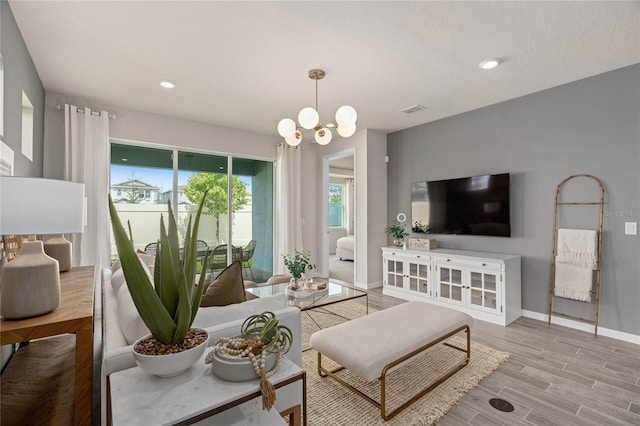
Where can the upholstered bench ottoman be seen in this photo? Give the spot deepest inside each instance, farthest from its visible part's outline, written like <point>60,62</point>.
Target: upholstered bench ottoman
<point>371,346</point>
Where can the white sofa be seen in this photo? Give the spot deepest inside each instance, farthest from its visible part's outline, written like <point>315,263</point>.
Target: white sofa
<point>217,320</point>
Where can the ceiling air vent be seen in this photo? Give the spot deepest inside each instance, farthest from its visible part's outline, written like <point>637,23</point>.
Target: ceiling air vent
<point>412,109</point>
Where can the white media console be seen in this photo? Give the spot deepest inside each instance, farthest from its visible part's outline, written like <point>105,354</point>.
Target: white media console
<point>484,285</point>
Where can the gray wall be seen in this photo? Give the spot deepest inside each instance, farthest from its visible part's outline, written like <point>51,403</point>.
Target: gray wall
<point>588,126</point>
<point>20,75</point>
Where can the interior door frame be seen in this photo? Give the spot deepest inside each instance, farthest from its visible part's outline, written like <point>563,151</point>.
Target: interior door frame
<point>350,152</point>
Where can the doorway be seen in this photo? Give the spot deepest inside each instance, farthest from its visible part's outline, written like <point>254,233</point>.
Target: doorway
<point>339,218</point>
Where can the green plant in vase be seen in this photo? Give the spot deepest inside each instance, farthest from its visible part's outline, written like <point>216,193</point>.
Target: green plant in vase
<point>168,301</point>
<point>397,231</point>
<point>297,265</point>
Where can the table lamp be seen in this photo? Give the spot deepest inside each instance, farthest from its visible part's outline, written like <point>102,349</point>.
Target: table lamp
<point>30,283</point>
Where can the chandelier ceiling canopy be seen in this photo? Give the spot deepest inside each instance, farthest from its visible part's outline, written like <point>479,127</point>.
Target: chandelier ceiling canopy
<point>309,119</point>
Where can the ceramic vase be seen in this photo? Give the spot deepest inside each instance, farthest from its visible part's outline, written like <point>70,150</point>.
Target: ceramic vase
<point>238,369</point>
<point>171,364</point>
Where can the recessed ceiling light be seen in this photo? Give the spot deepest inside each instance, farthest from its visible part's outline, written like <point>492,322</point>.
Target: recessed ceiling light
<point>490,63</point>
<point>167,84</point>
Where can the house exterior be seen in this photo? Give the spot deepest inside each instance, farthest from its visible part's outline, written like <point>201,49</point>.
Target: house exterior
<point>135,191</point>
<point>167,196</point>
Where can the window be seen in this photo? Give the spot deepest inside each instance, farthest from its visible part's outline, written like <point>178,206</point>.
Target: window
<point>27,127</point>
<point>245,219</point>
<point>336,205</point>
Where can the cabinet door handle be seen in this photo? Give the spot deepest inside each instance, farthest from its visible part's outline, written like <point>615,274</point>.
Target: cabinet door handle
<point>448,260</point>
<point>484,264</point>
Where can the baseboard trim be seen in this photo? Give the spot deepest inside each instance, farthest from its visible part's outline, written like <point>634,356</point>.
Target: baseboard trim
<point>583,326</point>
<point>368,286</point>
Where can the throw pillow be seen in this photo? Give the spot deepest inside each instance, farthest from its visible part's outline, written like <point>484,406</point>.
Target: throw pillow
<point>116,265</point>
<point>228,288</point>
<point>117,279</point>
<point>130,321</point>
<point>278,279</point>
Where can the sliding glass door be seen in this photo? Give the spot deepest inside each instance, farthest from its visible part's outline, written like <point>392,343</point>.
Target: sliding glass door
<point>237,219</point>
<point>141,177</point>
<point>252,221</point>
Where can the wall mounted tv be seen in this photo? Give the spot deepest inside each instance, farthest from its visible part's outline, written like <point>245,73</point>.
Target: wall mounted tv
<point>476,205</point>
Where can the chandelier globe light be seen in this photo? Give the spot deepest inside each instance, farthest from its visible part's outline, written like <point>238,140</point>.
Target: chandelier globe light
<point>309,119</point>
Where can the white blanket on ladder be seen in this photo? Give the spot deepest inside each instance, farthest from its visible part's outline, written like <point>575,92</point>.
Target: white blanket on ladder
<point>575,261</point>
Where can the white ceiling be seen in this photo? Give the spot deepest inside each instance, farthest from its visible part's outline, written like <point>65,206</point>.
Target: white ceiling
<point>244,64</point>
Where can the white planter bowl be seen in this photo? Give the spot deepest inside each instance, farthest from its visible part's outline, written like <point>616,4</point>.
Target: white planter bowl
<point>238,369</point>
<point>171,364</point>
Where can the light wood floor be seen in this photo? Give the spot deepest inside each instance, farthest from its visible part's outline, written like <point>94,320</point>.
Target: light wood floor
<point>555,376</point>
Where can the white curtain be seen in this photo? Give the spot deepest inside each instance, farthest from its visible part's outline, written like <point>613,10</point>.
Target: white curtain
<point>86,160</point>
<point>288,209</point>
<point>348,204</point>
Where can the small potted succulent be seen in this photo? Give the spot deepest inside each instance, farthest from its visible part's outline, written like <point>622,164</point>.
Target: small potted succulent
<point>397,231</point>
<point>297,265</point>
<point>168,301</point>
<point>254,354</point>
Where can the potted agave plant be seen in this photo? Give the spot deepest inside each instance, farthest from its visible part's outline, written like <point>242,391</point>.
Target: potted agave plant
<point>168,301</point>
<point>254,354</point>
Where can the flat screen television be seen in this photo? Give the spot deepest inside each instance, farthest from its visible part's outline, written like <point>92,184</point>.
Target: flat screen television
<point>476,205</point>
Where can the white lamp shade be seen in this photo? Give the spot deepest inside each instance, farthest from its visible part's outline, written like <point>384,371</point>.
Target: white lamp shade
<point>323,136</point>
<point>346,115</point>
<point>346,131</point>
<point>295,139</point>
<point>40,206</point>
<point>308,118</point>
<point>286,127</point>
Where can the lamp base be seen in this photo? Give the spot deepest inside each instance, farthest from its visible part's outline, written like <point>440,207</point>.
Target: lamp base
<point>59,248</point>
<point>30,283</point>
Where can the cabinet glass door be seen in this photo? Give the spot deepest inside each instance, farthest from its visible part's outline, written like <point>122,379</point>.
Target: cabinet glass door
<point>483,288</point>
<point>395,273</point>
<point>419,278</point>
<point>449,284</point>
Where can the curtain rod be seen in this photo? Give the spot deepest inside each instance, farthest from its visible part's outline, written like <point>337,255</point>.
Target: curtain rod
<point>81,110</point>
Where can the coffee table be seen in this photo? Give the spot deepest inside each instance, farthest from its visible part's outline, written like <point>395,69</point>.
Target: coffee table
<point>335,293</point>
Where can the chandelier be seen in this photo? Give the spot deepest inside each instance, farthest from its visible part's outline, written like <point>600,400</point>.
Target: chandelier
<point>309,119</point>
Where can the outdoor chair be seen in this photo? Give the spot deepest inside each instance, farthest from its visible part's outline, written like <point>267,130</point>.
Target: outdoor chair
<point>247,254</point>
<point>201,248</point>
<point>218,257</point>
<point>151,249</point>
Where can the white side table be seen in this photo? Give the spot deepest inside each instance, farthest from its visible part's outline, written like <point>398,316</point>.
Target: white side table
<point>139,399</point>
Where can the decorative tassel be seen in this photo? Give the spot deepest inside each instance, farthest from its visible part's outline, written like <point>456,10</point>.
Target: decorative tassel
<point>268,391</point>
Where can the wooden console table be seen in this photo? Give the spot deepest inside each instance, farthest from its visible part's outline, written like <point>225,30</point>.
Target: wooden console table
<point>74,315</point>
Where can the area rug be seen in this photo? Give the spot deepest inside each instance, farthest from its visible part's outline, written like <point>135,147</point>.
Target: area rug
<point>329,403</point>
